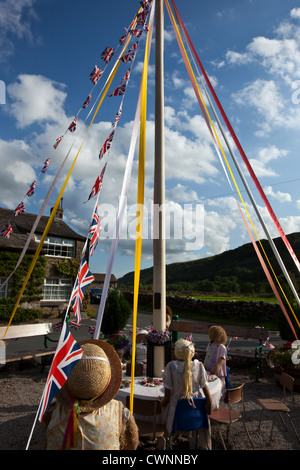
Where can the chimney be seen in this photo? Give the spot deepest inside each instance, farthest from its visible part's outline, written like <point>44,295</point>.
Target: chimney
<point>59,212</point>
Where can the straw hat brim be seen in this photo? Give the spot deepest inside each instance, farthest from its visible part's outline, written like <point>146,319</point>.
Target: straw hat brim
<point>65,397</point>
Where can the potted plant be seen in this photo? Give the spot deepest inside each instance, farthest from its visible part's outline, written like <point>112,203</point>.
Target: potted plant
<point>286,359</point>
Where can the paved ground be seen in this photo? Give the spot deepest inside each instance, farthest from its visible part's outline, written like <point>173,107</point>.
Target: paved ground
<point>21,391</point>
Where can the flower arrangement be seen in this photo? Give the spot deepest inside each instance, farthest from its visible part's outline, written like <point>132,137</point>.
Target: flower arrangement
<point>119,341</point>
<point>284,357</point>
<point>158,337</point>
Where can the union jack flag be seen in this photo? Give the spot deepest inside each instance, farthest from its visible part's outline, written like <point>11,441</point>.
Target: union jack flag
<point>95,230</point>
<point>68,353</point>
<point>98,184</point>
<point>118,91</point>
<point>117,117</point>
<point>136,32</point>
<point>107,144</point>
<point>74,325</point>
<point>84,278</point>
<point>128,57</point>
<point>107,54</point>
<point>72,127</point>
<point>142,16</point>
<point>31,190</point>
<point>57,142</point>
<point>87,101</point>
<point>95,75</point>
<point>57,326</point>
<point>46,164</point>
<point>122,39</point>
<point>126,76</point>
<point>91,330</point>
<point>134,47</point>
<point>19,209</point>
<point>140,22</point>
<point>189,338</point>
<point>7,231</point>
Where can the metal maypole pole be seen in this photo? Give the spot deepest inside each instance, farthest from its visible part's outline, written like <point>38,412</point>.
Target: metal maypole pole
<point>159,263</point>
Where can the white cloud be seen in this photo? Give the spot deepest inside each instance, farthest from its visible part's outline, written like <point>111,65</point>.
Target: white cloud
<point>278,195</point>
<point>16,172</point>
<point>265,97</point>
<point>36,99</point>
<point>290,224</point>
<point>278,56</point>
<point>238,58</point>
<point>15,24</point>
<point>295,13</point>
<point>262,164</point>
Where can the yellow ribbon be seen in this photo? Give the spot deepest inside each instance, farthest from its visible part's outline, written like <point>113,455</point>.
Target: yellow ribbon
<point>140,206</point>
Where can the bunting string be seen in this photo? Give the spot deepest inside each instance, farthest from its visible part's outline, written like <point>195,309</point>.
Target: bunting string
<point>86,278</point>
<point>124,192</point>
<point>7,230</point>
<point>50,220</point>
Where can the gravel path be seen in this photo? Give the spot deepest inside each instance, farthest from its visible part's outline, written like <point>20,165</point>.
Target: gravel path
<point>21,391</point>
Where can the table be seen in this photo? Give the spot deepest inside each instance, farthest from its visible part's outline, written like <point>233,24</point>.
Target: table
<point>142,391</point>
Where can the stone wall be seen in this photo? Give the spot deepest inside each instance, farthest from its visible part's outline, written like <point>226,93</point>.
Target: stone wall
<point>228,310</point>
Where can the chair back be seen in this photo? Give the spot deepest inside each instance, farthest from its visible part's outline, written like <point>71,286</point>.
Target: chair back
<point>287,383</point>
<point>234,395</point>
<point>190,415</point>
<point>145,406</point>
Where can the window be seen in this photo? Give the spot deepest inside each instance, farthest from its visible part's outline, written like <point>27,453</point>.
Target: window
<point>57,289</point>
<point>3,291</point>
<point>58,246</point>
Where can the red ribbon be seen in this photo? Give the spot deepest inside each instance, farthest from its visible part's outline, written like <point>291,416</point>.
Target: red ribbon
<point>243,155</point>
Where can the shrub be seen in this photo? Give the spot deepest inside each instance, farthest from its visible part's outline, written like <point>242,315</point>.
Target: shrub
<point>116,313</point>
<point>21,315</point>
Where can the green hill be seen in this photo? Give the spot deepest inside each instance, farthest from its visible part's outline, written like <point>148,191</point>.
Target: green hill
<point>237,270</point>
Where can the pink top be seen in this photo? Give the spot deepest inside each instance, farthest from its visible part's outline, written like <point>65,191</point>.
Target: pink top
<point>214,353</point>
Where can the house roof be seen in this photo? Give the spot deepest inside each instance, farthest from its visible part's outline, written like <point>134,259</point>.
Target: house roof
<point>22,225</point>
<point>99,277</point>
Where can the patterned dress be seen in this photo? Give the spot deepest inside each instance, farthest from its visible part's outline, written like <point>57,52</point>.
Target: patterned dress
<point>173,380</point>
<point>97,430</point>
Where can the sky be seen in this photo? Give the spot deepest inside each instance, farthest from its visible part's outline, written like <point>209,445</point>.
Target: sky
<point>251,51</point>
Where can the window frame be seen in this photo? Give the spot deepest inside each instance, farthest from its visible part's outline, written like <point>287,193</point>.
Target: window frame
<point>60,247</point>
<point>56,287</point>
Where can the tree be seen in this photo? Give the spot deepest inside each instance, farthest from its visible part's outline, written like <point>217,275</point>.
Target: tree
<point>116,313</point>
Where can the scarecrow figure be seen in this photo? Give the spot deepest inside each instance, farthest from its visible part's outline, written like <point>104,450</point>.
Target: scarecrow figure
<point>85,415</point>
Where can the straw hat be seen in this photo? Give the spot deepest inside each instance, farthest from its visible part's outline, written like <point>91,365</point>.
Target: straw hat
<point>96,378</point>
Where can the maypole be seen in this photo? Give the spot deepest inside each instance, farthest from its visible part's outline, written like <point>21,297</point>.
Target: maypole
<point>159,263</point>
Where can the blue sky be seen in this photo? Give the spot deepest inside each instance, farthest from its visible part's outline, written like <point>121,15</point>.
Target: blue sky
<point>251,52</point>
